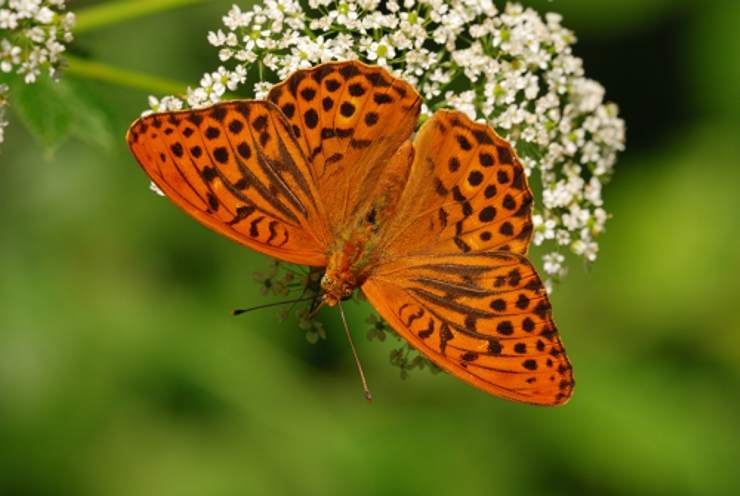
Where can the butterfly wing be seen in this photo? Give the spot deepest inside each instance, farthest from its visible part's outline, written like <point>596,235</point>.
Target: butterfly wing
<point>237,168</point>
<point>350,119</point>
<point>452,277</point>
<point>483,317</point>
<point>467,192</point>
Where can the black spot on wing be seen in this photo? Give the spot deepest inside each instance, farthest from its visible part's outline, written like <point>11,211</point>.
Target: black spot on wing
<point>504,155</point>
<point>289,110</point>
<point>356,90</point>
<point>308,94</point>
<point>463,142</point>
<point>482,137</point>
<point>219,112</point>
<point>332,85</point>
<point>212,133</point>
<point>349,71</point>
<point>195,118</point>
<point>260,123</point>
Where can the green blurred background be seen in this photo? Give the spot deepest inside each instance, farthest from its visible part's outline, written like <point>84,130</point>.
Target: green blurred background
<point>122,372</point>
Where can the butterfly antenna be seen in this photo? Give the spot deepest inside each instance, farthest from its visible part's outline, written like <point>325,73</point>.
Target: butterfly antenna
<point>357,358</point>
<point>268,305</point>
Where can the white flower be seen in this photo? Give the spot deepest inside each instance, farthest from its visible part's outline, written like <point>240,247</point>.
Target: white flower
<point>562,236</point>
<point>586,95</point>
<point>9,55</point>
<point>167,103</point>
<point>346,14</point>
<point>552,262</point>
<point>216,39</point>
<point>585,248</point>
<point>592,191</point>
<point>30,70</point>
<point>381,51</point>
<point>543,229</point>
<point>598,220</point>
<point>44,15</point>
<point>261,90</point>
<point>156,189</point>
<point>235,18</point>
<point>8,19</point>
<point>25,8</point>
<point>197,97</point>
<point>464,102</point>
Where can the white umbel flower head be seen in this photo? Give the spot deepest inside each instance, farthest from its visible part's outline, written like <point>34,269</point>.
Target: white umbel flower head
<point>512,69</point>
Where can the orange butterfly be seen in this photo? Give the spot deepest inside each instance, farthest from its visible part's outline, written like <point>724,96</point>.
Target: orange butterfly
<point>434,232</point>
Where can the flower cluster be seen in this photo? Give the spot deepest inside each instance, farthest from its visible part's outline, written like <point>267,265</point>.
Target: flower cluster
<point>511,69</point>
<point>406,357</point>
<point>280,279</point>
<point>32,37</point>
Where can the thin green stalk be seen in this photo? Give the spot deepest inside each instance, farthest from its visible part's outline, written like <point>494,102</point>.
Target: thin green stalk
<point>156,85</point>
<point>122,77</point>
<point>101,16</point>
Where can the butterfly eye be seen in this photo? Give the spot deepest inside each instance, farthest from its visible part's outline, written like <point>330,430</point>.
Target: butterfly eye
<point>346,293</point>
<point>326,280</point>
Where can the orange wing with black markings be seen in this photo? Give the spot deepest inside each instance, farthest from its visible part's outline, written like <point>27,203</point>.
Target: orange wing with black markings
<point>467,192</point>
<point>483,317</point>
<point>349,119</point>
<point>453,279</point>
<point>238,169</point>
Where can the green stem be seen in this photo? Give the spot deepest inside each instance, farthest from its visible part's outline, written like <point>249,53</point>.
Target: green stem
<point>101,16</point>
<point>122,77</point>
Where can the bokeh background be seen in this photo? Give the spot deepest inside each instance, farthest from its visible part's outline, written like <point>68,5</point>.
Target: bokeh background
<point>123,373</point>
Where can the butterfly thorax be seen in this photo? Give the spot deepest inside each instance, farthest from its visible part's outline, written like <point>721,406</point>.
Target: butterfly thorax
<point>349,261</point>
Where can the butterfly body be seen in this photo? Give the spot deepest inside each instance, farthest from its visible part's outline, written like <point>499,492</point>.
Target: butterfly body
<point>434,231</point>
<point>360,249</point>
<point>348,264</point>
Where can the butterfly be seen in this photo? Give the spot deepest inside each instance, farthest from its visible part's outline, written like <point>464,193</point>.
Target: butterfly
<point>434,231</point>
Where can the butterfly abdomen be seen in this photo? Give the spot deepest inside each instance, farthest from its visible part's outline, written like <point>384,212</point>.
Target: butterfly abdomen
<point>351,259</point>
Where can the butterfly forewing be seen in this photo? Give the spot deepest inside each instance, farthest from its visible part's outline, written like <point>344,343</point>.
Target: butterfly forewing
<point>236,168</point>
<point>467,193</point>
<point>349,119</point>
<point>484,317</point>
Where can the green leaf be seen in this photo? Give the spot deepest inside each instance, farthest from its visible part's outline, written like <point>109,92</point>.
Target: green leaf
<point>52,112</point>
<point>44,109</point>
<point>92,118</point>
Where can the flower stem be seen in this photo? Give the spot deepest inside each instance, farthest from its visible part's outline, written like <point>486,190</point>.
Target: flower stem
<point>122,77</point>
<point>101,16</point>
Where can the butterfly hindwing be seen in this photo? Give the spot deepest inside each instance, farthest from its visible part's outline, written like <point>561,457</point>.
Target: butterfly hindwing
<point>485,318</point>
<point>236,168</point>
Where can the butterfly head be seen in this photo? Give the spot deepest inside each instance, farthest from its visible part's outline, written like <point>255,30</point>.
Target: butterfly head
<point>338,286</point>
